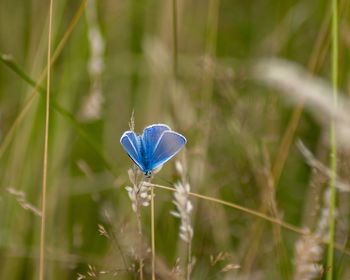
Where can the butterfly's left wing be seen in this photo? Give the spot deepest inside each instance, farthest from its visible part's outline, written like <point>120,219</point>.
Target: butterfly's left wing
<point>131,144</point>
<point>168,145</point>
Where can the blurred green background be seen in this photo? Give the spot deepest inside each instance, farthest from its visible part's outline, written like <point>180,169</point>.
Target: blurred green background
<point>118,59</point>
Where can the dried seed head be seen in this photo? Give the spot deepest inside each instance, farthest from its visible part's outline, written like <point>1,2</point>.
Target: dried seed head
<point>307,257</point>
<point>179,167</point>
<point>183,209</point>
<point>139,193</point>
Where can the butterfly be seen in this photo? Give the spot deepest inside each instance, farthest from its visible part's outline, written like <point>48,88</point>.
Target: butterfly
<point>157,144</point>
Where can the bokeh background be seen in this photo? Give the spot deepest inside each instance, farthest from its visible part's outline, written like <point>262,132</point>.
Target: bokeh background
<point>118,59</point>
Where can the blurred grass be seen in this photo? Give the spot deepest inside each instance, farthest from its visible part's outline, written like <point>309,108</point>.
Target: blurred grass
<point>228,119</point>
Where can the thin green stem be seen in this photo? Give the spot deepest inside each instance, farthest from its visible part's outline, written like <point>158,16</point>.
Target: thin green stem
<point>9,61</point>
<point>46,145</point>
<point>139,228</point>
<point>333,155</point>
<point>138,213</point>
<point>153,235</point>
<point>175,42</point>
<point>189,260</point>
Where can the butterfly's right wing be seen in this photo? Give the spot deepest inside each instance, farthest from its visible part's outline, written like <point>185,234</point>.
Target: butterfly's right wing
<point>168,145</point>
<point>131,144</point>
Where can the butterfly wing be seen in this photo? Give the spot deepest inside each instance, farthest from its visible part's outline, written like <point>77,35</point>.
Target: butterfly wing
<point>168,145</point>
<point>132,145</point>
<point>151,135</point>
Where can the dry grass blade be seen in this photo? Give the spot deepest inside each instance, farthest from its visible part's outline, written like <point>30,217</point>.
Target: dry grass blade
<point>238,207</point>
<point>253,213</point>
<point>314,163</point>
<point>23,202</point>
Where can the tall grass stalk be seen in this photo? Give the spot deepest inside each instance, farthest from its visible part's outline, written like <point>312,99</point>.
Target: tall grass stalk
<point>333,155</point>
<point>175,39</point>
<point>189,260</point>
<point>139,229</point>
<point>45,160</point>
<point>153,235</point>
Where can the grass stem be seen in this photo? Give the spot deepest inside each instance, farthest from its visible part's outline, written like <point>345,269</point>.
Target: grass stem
<point>153,235</point>
<point>189,260</point>
<point>175,39</point>
<point>333,154</point>
<point>45,160</point>
<point>139,228</point>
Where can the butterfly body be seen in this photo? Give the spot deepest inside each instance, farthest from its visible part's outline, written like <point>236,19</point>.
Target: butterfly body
<point>157,144</point>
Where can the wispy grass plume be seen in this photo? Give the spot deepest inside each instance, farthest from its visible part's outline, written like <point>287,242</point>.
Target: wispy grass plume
<point>140,196</point>
<point>183,212</point>
<point>299,85</point>
<point>92,104</point>
<point>308,255</point>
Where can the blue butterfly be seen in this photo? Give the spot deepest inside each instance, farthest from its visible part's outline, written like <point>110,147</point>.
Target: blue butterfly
<point>157,144</point>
